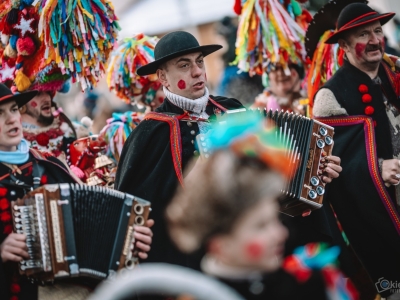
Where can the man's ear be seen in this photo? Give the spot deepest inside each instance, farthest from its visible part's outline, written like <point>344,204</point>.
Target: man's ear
<point>342,44</point>
<point>162,77</point>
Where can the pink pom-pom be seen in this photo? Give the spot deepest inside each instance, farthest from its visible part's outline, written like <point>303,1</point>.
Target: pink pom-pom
<point>78,172</point>
<point>25,46</point>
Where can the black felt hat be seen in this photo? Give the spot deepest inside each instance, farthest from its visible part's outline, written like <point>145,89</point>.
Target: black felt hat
<point>172,45</point>
<point>354,15</point>
<point>21,99</point>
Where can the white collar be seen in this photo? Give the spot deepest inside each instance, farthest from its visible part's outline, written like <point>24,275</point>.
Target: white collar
<point>196,106</point>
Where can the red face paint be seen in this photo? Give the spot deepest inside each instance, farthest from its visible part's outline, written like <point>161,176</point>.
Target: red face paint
<point>161,99</point>
<point>360,48</point>
<point>33,104</point>
<point>181,84</point>
<point>254,250</point>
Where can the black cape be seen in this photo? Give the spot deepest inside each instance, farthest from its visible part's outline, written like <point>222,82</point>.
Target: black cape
<point>364,206</point>
<point>146,170</point>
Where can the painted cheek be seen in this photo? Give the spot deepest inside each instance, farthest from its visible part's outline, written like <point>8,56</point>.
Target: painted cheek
<point>254,250</point>
<point>181,84</point>
<point>161,99</point>
<point>360,49</point>
<point>33,104</point>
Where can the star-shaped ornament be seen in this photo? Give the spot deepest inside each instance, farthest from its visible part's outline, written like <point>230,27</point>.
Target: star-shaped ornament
<point>24,26</point>
<point>7,73</point>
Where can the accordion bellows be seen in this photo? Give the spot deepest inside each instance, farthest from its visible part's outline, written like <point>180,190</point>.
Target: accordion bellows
<point>78,230</point>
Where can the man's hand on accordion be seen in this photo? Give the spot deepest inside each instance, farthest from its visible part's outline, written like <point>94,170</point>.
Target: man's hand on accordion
<point>331,168</point>
<point>143,238</point>
<point>14,248</point>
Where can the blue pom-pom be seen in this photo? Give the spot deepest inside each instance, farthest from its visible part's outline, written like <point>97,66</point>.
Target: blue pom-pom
<point>19,66</point>
<point>66,87</point>
<point>13,41</point>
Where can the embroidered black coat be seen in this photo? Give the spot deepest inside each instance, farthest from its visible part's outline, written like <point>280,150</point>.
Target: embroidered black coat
<point>146,170</point>
<point>54,172</point>
<point>364,206</point>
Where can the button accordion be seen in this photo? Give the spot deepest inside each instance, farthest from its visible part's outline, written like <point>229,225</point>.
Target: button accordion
<point>306,141</point>
<point>78,230</point>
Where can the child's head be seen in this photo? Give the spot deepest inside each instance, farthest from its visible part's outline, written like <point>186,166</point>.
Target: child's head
<point>231,208</point>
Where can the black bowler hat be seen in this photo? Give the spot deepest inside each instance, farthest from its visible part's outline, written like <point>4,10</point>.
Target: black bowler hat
<point>21,99</point>
<point>354,15</point>
<point>172,45</point>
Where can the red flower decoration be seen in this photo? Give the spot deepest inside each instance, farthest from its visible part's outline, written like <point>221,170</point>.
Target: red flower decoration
<point>15,288</point>
<point>3,191</point>
<point>42,139</point>
<point>5,216</point>
<point>43,180</point>
<point>8,229</point>
<point>369,110</point>
<point>4,204</point>
<point>363,89</point>
<point>366,98</point>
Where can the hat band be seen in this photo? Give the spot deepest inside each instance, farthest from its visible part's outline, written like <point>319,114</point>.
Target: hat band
<point>5,97</point>
<point>358,18</point>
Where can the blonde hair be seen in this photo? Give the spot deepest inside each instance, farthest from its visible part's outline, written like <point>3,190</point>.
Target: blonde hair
<point>222,188</point>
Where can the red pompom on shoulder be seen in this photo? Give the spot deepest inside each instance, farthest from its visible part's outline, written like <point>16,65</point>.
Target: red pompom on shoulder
<point>363,89</point>
<point>369,110</point>
<point>366,98</point>
<point>8,229</point>
<point>3,191</point>
<point>15,288</point>
<point>5,216</point>
<point>42,139</point>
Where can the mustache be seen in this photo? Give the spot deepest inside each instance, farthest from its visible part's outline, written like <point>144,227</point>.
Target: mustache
<point>369,48</point>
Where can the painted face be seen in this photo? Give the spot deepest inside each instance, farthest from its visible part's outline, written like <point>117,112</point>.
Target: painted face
<point>283,85</point>
<point>40,108</point>
<point>257,240</point>
<point>10,126</point>
<point>185,75</point>
<point>365,45</point>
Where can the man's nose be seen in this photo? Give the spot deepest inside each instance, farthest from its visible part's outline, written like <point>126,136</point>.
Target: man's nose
<point>196,71</point>
<point>374,39</point>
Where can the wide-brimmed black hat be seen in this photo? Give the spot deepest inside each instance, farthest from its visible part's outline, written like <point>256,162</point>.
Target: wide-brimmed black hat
<point>172,45</point>
<point>354,15</point>
<point>21,99</point>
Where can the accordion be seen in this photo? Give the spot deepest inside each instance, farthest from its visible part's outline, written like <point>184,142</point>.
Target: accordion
<point>306,141</point>
<point>77,230</point>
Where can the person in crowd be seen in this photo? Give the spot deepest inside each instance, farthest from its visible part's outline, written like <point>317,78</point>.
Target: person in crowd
<point>361,102</point>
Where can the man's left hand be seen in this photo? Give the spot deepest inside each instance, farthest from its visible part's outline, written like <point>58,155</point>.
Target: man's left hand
<point>143,238</point>
<point>331,168</point>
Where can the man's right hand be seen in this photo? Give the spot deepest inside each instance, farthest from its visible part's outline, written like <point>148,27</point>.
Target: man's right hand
<point>14,248</point>
<point>390,168</point>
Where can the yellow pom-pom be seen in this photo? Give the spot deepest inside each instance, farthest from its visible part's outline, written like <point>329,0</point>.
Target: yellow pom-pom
<point>22,81</point>
<point>10,52</point>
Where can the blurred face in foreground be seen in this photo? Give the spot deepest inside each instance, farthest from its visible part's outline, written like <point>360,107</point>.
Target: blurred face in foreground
<point>281,84</point>
<point>10,126</point>
<point>256,242</point>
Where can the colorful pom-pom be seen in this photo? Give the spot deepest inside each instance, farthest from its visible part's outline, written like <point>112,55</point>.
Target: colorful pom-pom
<point>366,98</point>
<point>369,110</point>
<point>25,46</point>
<point>22,82</point>
<point>363,89</point>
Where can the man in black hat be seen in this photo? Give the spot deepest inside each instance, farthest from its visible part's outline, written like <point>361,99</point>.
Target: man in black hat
<point>362,102</point>
<point>159,149</point>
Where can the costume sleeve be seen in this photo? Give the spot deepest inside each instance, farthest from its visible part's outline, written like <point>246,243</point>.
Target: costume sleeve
<point>326,105</point>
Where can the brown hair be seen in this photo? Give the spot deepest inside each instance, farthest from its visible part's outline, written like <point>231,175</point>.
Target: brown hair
<point>219,191</point>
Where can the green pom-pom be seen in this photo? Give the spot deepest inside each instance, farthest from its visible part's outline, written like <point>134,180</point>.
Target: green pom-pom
<point>297,10</point>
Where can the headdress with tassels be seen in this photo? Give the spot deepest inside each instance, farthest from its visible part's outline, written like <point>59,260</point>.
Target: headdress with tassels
<point>132,54</point>
<point>270,33</point>
<point>325,58</point>
<point>46,42</point>
<point>247,135</point>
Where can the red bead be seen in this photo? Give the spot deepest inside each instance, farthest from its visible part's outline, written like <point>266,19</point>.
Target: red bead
<point>4,204</point>
<point>366,98</point>
<point>3,191</point>
<point>369,110</point>
<point>15,288</point>
<point>363,89</point>
<point>43,180</point>
<point>8,229</point>
<point>5,216</point>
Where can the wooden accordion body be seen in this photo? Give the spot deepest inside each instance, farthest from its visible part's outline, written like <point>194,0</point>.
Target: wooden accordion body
<point>78,230</point>
<point>306,141</point>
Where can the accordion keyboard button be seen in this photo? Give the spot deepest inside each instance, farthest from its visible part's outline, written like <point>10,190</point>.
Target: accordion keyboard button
<point>323,131</point>
<point>314,180</point>
<point>312,194</point>
<point>320,190</point>
<point>320,144</point>
<point>328,140</point>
